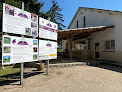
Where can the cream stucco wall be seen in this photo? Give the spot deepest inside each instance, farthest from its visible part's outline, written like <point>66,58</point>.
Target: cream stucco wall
<point>93,18</point>
<point>102,18</point>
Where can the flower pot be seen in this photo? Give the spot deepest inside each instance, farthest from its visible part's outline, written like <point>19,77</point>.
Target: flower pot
<point>40,66</point>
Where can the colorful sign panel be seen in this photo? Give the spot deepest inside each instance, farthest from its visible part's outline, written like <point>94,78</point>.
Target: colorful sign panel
<point>47,29</point>
<point>18,21</point>
<point>53,50</point>
<point>47,50</point>
<point>19,49</point>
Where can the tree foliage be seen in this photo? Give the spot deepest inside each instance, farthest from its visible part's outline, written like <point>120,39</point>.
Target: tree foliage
<point>55,15</point>
<point>34,7</point>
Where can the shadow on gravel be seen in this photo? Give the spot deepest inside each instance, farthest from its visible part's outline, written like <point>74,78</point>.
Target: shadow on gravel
<point>111,67</point>
<point>12,78</point>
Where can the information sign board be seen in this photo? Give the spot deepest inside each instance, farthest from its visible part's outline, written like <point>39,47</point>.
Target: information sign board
<point>47,50</point>
<point>47,29</point>
<point>18,21</point>
<point>19,49</point>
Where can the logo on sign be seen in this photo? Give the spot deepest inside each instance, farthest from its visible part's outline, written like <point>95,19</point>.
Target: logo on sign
<point>14,41</point>
<point>49,25</point>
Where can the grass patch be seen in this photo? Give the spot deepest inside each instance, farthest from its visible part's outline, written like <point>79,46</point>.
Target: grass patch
<point>8,73</point>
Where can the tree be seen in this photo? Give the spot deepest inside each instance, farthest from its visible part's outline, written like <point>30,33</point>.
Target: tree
<point>33,6</point>
<point>54,14</point>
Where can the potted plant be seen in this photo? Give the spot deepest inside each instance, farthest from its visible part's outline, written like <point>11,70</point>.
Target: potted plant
<point>40,66</point>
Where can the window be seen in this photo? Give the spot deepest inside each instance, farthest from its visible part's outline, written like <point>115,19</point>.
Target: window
<point>77,23</point>
<point>110,45</point>
<point>113,44</point>
<point>84,19</point>
<point>79,45</point>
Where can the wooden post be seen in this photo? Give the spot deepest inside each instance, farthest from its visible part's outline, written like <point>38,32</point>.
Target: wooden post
<point>70,43</point>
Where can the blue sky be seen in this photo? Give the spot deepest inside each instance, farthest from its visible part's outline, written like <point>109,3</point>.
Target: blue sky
<point>70,6</point>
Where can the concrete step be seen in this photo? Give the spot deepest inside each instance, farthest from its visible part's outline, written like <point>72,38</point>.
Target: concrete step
<point>63,65</point>
<point>92,63</point>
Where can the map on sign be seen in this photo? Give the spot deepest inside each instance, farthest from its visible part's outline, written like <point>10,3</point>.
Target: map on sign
<point>47,29</point>
<point>19,49</point>
<point>47,50</point>
<point>18,21</point>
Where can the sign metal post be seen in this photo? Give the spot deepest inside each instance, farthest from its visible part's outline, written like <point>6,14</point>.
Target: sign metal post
<point>47,67</point>
<point>21,74</point>
<point>48,60</point>
<point>22,64</point>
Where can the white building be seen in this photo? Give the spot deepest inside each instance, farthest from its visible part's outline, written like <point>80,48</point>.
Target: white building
<point>103,45</point>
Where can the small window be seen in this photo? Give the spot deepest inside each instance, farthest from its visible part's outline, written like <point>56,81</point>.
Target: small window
<point>107,47</point>
<point>84,20</point>
<point>110,45</point>
<point>77,23</point>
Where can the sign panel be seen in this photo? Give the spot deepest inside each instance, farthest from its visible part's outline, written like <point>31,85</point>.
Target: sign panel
<point>47,29</point>
<point>53,50</point>
<point>43,50</point>
<point>19,49</point>
<point>47,50</point>
<point>18,21</point>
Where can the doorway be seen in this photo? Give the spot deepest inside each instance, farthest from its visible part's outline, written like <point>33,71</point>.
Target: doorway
<point>97,50</point>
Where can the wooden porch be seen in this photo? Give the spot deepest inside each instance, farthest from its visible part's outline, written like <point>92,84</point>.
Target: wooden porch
<point>69,35</point>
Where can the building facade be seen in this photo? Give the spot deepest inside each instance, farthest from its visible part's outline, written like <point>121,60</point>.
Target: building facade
<point>102,45</point>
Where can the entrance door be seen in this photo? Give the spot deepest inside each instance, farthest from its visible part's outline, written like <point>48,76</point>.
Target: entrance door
<point>97,50</point>
<point>67,46</point>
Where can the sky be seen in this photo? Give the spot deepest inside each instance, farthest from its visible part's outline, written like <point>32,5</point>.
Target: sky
<point>71,6</point>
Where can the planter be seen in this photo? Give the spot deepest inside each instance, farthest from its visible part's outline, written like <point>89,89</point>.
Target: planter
<point>40,66</point>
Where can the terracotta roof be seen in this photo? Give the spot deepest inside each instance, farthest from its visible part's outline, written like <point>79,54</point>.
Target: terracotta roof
<point>64,34</point>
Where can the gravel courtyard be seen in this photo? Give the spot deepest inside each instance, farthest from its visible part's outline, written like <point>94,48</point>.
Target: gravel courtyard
<point>70,79</point>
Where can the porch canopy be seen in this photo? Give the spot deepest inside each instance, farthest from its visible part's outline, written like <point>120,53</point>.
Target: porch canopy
<point>69,33</point>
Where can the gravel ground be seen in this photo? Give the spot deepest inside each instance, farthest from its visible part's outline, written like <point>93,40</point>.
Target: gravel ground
<point>71,79</point>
